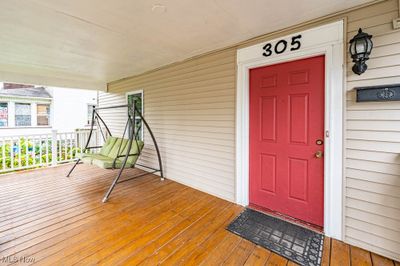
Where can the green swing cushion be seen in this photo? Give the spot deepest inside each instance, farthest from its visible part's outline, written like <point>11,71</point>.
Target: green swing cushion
<point>107,163</point>
<point>82,155</point>
<point>107,147</point>
<point>134,150</point>
<point>86,157</point>
<point>89,157</point>
<point>119,145</point>
<point>105,150</point>
<point>105,159</point>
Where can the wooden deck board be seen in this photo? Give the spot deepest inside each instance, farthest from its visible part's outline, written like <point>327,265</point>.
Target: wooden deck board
<point>55,220</point>
<point>340,253</point>
<point>360,257</point>
<point>326,253</point>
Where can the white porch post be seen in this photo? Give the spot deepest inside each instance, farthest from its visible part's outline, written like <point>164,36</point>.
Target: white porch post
<point>11,114</point>
<point>54,147</point>
<point>33,114</point>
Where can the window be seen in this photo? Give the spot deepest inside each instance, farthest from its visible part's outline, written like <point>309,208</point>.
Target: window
<point>43,114</point>
<point>138,98</point>
<point>22,114</point>
<point>3,114</point>
<point>89,113</point>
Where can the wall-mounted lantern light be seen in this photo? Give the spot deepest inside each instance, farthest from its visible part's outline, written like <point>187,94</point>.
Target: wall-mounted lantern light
<point>360,49</point>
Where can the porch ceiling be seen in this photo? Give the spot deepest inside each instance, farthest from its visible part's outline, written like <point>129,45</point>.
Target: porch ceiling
<point>87,43</point>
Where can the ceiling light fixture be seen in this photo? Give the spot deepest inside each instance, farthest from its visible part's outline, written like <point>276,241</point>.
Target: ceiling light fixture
<point>159,8</point>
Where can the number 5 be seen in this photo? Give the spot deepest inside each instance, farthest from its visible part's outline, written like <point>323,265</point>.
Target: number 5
<point>296,44</point>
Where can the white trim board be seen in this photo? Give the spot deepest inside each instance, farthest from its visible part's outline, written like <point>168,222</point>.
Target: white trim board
<point>324,40</point>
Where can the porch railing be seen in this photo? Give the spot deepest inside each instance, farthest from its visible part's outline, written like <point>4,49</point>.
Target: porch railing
<point>38,150</point>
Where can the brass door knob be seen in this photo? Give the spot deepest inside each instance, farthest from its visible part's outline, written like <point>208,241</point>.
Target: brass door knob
<point>319,154</point>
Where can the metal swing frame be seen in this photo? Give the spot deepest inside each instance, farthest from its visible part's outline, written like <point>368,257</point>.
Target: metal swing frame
<point>133,136</point>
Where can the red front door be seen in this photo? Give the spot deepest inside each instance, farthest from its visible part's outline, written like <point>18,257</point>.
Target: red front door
<point>286,138</point>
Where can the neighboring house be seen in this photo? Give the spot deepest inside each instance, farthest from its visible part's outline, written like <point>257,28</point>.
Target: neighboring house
<point>28,110</point>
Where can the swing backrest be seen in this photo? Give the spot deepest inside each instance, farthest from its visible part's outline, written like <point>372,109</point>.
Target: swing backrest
<point>118,146</point>
<point>135,149</point>
<point>108,145</point>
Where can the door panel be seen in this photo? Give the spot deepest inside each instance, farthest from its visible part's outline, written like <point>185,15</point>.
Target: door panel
<point>298,179</point>
<point>298,118</point>
<point>268,119</point>
<point>268,172</point>
<point>286,120</point>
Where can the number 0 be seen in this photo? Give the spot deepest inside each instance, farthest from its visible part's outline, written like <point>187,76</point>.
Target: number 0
<point>283,48</point>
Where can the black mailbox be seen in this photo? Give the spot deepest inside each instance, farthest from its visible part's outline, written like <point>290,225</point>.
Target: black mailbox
<point>381,93</point>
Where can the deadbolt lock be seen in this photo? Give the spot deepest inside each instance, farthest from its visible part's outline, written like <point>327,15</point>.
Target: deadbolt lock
<point>319,142</point>
<point>319,154</point>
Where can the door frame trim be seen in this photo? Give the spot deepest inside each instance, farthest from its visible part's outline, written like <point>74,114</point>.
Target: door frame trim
<point>323,40</point>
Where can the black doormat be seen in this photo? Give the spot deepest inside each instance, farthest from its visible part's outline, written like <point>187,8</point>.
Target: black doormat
<point>291,241</point>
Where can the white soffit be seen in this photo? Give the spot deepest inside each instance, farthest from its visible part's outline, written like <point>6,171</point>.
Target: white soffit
<point>88,43</point>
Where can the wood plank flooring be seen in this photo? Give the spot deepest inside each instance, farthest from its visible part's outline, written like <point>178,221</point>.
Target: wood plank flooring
<point>48,219</point>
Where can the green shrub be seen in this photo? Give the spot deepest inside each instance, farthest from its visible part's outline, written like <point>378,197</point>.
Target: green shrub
<point>26,153</point>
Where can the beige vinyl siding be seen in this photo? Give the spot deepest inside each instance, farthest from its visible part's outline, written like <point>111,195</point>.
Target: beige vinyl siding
<point>191,107</point>
<point>372,203</point>
<point>191,110</point>
<point>115,118</point>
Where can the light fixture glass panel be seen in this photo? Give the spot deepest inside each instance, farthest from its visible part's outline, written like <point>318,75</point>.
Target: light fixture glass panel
<point>360,46</point>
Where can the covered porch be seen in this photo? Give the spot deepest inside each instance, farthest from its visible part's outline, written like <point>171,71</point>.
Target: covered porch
<point>252,105</point>
<point>49,219</point>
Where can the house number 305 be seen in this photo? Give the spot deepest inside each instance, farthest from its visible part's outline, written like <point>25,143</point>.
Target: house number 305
<point>282,45</point>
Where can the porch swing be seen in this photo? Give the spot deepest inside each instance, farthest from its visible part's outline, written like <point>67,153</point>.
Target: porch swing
<point>118,153</point>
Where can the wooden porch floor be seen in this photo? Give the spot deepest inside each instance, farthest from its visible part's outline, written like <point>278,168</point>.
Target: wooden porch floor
<point>49,219</point>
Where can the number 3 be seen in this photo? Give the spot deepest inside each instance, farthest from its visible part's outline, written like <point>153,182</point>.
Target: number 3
<point>267,49</point>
